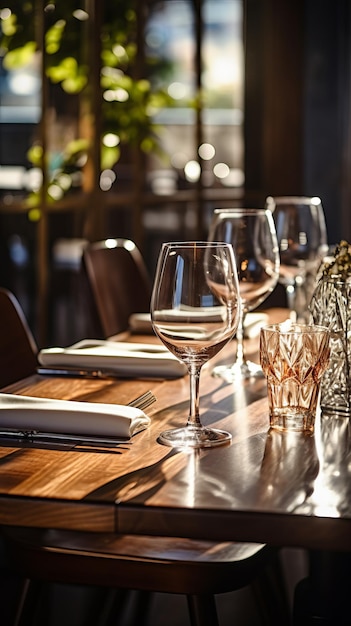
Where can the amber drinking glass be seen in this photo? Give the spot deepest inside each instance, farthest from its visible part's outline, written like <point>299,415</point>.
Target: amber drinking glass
<point>294,358</point>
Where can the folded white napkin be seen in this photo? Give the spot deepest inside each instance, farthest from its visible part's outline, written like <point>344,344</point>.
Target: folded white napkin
<point>25,413</point>
<point>119,358</point>
<point>253,323</point>
<point>141,323</point>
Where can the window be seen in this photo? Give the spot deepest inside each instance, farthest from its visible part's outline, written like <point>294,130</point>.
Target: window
<point>170,37</point>
<point>117,183</point>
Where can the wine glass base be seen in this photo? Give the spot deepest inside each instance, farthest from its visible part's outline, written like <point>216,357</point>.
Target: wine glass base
<point>247,369</point>
<point>194,437</point>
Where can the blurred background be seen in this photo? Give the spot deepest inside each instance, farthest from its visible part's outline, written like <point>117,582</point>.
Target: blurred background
<point>138,118</point>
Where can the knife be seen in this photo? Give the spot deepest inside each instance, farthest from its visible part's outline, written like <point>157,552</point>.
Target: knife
<point>76,373</point>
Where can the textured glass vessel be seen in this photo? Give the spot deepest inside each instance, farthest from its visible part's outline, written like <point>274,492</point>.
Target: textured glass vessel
<point>293,358</point>
<point>331,307</point>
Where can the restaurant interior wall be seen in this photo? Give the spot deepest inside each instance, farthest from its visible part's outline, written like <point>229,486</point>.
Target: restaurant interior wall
<point>283,128</point>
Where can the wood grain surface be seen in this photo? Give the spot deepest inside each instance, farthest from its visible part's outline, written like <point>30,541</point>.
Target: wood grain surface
<point>285,489</point>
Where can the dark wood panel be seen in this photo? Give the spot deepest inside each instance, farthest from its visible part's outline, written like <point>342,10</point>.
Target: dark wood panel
<point>38,513</point>
<point>274,105</point>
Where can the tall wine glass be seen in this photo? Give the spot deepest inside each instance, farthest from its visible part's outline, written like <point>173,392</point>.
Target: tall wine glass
<point>194,311</point>
<point>302,241</point>
<point>252,234</point>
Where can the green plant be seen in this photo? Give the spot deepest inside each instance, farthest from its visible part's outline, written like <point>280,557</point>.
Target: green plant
<point>128,103</point>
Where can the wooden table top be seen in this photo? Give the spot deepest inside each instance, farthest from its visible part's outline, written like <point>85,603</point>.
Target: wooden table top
<point>269,487</point>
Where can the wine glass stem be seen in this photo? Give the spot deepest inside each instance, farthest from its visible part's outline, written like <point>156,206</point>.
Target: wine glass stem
<point>194,375</point>
<point>290,298</point>
<point>240,355</point>
<point>296,300</point>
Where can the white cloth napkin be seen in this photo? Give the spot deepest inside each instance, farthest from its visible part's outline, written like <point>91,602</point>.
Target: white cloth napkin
<point>141,323</point>
<point>26,413</point>
<point>120,358</point>
<point>253,322</point>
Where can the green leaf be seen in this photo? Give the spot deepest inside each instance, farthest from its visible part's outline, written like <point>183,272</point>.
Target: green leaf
<point>76,147</point>
<point>109,156</point>
<point>20,56</point>
<point>54,36</point>
<point>72,76</point>
<point>74,84</point>
<point>9,25</point>
<point>35,155</point>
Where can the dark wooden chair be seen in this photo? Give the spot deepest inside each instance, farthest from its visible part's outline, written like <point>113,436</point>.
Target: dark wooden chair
<point>18,349</point>
<point>198,569</point>
<point>118,281</point>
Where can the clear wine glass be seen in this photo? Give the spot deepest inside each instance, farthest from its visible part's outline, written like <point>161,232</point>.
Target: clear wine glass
<point>302,241</point>
<point>194,311</point>
<point>252,234</point>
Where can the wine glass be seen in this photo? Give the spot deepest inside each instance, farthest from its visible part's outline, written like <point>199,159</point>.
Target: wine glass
<point>194,311</point>
<point>302,241</point>
<point>252,234</point>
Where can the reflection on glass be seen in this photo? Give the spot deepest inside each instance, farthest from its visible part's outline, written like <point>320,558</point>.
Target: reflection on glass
<point>289,469</point>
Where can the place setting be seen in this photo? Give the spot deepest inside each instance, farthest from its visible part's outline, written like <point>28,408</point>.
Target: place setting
<point>46,421</point>
<point>101,359</point>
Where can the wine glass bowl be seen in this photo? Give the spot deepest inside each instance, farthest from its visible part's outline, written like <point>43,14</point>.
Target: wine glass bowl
<point>252,234</point>
<point>194,311</point>
<point>302,241</point>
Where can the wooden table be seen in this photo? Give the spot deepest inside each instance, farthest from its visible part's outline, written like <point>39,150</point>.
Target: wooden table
<point>281,489</point>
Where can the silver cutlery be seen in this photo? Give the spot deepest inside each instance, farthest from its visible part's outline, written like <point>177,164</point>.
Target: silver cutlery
<point>76,372</point>
<point>143,401</point>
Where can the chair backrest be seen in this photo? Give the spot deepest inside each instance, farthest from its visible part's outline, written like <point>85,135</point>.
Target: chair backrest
<point>119,282</point>
<point>18,349</point>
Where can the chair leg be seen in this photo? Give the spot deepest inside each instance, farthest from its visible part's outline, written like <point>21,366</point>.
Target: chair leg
<point>142,607</point>
<point>271,595</point>
<point>28,603</point>
<point>38,602</point>
<point>134,603</point>
<point>202,610</point>
<point>12,592</point>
